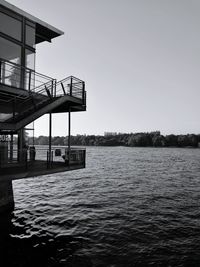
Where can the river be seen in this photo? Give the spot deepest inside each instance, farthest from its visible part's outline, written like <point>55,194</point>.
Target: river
<point>129,207</point>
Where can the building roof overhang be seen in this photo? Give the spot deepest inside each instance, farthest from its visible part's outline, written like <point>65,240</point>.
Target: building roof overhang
<point>44,31</point>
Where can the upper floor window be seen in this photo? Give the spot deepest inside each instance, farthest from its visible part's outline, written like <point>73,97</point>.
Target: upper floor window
<point>10,26</point>
<point>10,74</point>
<point>30,35</point>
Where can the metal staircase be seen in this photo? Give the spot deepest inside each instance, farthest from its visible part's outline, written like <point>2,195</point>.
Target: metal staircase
<point>23,106</point>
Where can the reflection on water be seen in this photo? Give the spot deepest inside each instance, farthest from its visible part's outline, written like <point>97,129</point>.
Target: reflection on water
<point>129,207</point>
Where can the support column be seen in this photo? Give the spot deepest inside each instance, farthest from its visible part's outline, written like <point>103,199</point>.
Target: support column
<point>3,153</point>
<point>20,145</point>
<point>69,135</point>
<point>49,159</point>
<point>11,147</point>
<point>6,196</point>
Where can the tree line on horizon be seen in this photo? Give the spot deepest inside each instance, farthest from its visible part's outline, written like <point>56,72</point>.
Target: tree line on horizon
<point>151,139</point>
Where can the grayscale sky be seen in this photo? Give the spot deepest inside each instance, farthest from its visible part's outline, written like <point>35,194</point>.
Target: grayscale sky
<point>140,60</point>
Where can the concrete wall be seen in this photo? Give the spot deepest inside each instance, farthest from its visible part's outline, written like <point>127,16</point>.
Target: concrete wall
<point>6,196</point>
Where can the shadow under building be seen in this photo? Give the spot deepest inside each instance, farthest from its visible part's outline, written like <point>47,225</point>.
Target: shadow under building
<point>26,95</point>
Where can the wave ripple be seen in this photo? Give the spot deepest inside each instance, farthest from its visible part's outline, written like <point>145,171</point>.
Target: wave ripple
<point>129,207</point>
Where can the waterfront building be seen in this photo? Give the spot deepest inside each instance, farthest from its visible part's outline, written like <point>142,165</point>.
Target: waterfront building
<point>26,95</point>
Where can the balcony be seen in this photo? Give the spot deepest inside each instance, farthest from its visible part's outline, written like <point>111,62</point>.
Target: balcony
<point>36,161</point>
<point>26,95</point>
<point>28,81</point>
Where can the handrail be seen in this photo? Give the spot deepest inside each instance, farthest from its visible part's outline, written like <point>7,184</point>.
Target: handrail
<point>40,87</point>
<point>25,68</point>
<point>32,153</point>
<point>71,86</point>
<point>13,73</point>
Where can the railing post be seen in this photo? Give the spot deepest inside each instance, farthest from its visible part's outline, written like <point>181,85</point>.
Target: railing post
<point>84,158</point>
<point>47,159</point>
<point>83,92</point>
<point>48,93</point>
<point>55,87</point>
<point>51,158</point>
<point>63,88</point>
<point>29,81</point>
<point>52,88</point>
<point>26,159</point>
<point>71,82</point>
<point>0,70</point>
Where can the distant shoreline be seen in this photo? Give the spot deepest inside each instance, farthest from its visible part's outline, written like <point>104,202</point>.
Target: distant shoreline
<point>152,139</point>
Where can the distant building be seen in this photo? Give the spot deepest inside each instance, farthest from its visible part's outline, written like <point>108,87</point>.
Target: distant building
<point>110,133</point>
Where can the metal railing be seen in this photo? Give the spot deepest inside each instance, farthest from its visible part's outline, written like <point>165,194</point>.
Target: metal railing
<point>17,76</point>
<point>71,86</point>
<point>27,156</point>
<point>40,88</point>
<point>71,157</point>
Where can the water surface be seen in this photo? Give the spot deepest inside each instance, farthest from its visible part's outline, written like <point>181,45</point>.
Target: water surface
<point>129,207</point>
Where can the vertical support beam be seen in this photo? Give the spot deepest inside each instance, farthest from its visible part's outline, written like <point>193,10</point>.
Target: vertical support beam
<point>23,56</point>
<point>33,133</point>
<point>6,196</point>
<point>54,85</point>
<point>11,147</point>
<point>50,134</point>
<point>69,133</point>
<point>22,150</point>
<point>4,152</point>
<point>20,145</point>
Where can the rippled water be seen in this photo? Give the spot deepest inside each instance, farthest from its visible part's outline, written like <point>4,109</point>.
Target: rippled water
<point>129,207</point>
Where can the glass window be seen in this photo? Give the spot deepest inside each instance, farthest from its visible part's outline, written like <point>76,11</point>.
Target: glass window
<point>30,75</point>
<point>30,36</point>
<point>30,59</point>
<point>10,26</point>
<point>10,73</point>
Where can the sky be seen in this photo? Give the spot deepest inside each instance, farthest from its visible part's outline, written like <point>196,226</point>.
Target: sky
<point>140,61</point>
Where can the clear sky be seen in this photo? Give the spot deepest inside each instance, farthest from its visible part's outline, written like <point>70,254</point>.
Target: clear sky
<point>140,60</point>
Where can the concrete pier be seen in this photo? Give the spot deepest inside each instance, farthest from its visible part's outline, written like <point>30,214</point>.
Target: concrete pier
<point>6,196</point>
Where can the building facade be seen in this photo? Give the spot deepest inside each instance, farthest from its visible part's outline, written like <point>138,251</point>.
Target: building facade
<point>26,95</point>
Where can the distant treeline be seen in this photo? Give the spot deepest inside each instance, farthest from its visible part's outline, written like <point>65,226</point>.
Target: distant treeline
<point>152,139</point>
